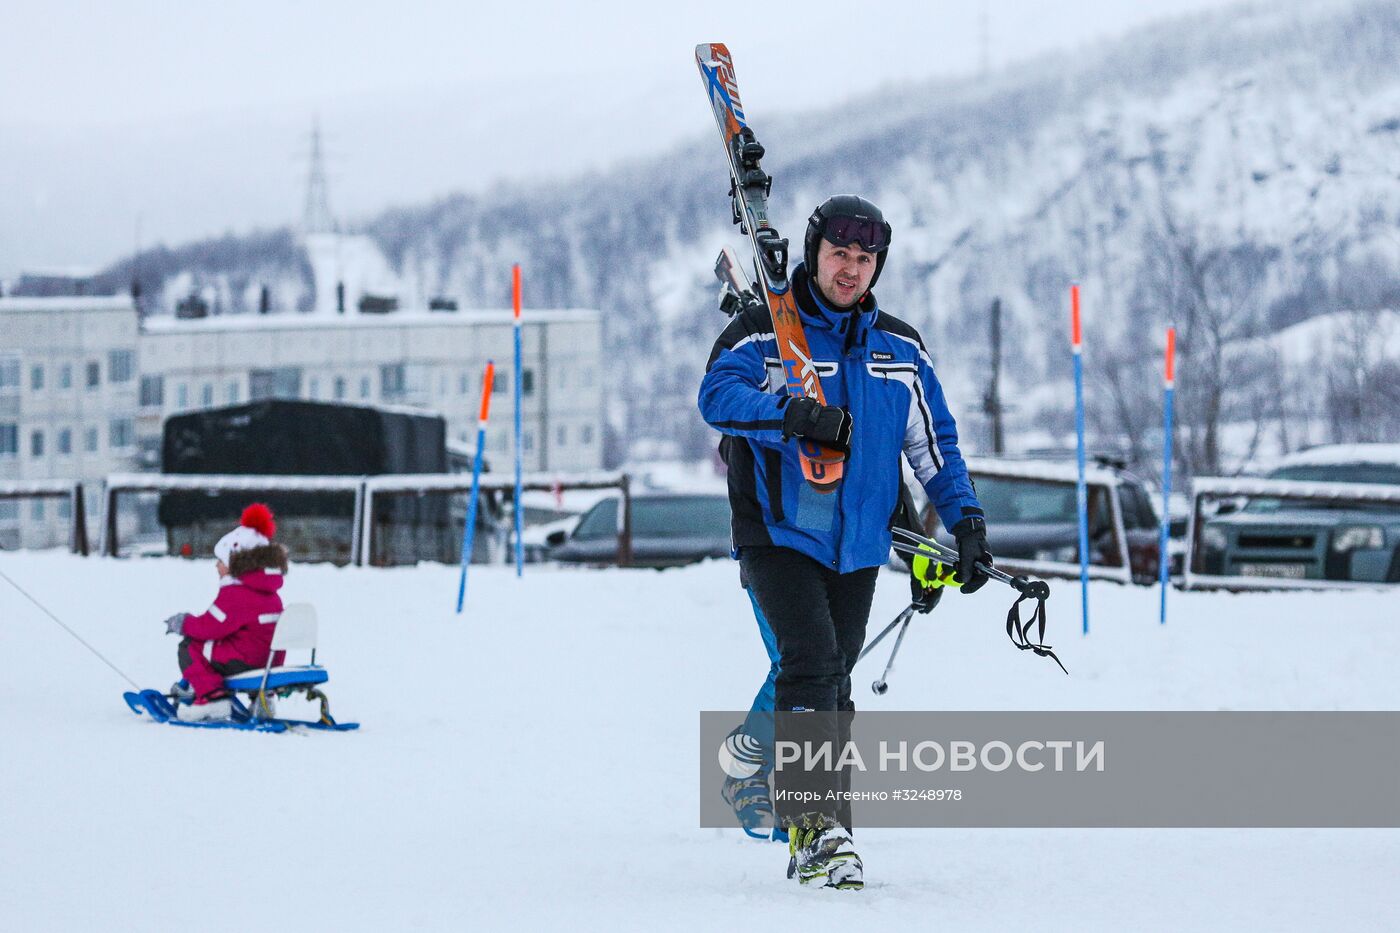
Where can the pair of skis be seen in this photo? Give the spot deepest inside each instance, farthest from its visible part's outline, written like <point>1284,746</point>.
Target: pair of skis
<point>161,708</point>
<point>749,187</point>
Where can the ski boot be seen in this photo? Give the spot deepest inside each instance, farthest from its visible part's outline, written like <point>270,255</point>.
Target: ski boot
<point>821,855</point>
<point>752,804</point>
<point>181,692</point>
<point>215,705</point>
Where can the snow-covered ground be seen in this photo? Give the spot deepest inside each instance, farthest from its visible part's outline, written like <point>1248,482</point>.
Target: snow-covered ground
<point>532,764</point>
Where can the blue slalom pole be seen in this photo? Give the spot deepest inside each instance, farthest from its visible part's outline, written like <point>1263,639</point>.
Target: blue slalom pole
<point>519,448</point>
<point>469,531</point>
<point>1083,488</point>
<point>1164,560</point>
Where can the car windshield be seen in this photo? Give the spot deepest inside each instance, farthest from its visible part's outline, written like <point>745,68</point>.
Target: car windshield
<point>1137,507</point>
<point>660,517</point>
<point>1388,473</point>
<point>1384,473</point>
<point>1009,499</point>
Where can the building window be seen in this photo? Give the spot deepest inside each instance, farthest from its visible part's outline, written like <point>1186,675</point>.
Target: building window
<point>561,436</point>
<point>501,382</point>
<point>94,374</point>
<point>283,382</point>
<point>36,443</point>
<point>9,374</point>
<point>182,397</point>
<point>339,387</point>
<point>9,440</point>
<point>527,442</point>
<point>36,510</point>
<point>90,440</point>
<point>65,441</point>
<point>9,510</point>
<point>36,378</point>
<point>233,392</point>
<point>148,454</point>
<point>462,383</point>
<point>206,395</point>
<point>65,376</point>
<point>152,391</point>
<point>391,380</point>
<point>65,508</point>
<point>120,365</point>
<point>585,435</point>
<point>527,382</point>
<point>364,387</point>
<point>120,434</point>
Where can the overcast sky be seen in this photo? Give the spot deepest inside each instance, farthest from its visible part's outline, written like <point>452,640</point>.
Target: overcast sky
<point>170,121</point>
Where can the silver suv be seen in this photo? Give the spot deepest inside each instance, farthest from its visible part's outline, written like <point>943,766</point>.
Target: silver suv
<point>1300,539</point>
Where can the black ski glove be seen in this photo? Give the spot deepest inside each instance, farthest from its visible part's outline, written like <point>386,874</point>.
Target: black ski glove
<point>176,623</point>
<point>971,534</point>
<point>924,597</point>
<point>826,424</point>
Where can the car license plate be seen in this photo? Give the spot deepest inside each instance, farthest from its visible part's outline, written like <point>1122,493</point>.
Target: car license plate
<point>1285,571</point>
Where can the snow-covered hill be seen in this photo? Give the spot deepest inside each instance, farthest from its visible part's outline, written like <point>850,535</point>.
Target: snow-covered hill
<point>1233,173</point>
<point>532,763</point>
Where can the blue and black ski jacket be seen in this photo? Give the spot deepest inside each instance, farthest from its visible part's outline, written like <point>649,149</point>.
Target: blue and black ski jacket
<point>874,365</point>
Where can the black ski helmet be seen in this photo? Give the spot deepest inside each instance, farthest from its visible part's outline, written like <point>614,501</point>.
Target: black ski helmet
<point>871,231</point>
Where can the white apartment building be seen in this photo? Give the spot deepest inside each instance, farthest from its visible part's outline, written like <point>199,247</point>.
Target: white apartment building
<point>84,390</point>
<point>68,384</point>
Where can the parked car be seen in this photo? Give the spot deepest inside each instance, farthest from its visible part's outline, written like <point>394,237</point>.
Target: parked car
<point>1303,539</point>
<point>668,530</point>
<point>1032,511</point>
<point>536,539</point>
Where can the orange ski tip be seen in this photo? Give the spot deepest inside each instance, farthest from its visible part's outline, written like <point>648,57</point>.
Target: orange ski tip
<point>823,477</point>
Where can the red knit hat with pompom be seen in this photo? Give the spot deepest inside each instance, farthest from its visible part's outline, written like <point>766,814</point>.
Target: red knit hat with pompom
<point>255,529</point>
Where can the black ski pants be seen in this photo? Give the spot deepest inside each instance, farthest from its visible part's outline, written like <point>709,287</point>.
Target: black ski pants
<point>818,617</point>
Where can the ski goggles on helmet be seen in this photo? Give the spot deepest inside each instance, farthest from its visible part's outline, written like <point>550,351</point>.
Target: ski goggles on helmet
<point>871,236</point>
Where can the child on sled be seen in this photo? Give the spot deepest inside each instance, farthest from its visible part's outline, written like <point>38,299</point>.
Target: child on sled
<point>234,634</point>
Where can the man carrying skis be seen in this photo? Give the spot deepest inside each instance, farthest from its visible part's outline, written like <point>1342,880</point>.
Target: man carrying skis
<point>811,557</point>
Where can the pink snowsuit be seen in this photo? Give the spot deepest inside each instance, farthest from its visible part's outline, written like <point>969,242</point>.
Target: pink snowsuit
<point>235,633</point>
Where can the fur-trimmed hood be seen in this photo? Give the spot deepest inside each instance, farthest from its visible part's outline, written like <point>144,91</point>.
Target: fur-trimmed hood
<point>250,560</point>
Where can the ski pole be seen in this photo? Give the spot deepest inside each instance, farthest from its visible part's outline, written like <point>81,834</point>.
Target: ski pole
<point>881,685</point>
<point>903,616</point>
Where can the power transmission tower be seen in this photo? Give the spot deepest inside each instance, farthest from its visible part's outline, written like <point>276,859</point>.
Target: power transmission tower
<point>317,217</point>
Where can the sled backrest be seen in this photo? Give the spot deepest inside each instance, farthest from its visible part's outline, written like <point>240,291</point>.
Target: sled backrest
<point>296,629</point>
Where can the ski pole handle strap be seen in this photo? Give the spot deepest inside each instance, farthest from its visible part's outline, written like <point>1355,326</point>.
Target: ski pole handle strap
<point>1018,632</point>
